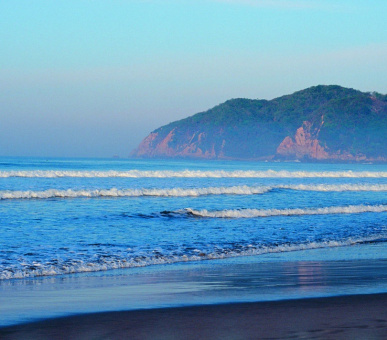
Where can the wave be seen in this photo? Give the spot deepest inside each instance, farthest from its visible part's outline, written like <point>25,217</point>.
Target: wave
<point>110,262</point>
<point>193,174</point>
<point>334,187</point>
<point>183,192</point>
<point>251,213</point>
<point>174,192</point>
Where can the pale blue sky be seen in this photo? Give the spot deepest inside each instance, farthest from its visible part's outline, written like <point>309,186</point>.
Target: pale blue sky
<point>92,77</point>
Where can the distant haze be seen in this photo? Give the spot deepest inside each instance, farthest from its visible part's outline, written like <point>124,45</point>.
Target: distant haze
<point>92,78</point>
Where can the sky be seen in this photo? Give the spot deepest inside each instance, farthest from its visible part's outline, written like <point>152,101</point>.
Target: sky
<point>92,78</point>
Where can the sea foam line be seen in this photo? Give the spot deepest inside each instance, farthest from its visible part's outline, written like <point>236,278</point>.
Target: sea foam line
<point>174,192</point>
<point>334,187</point>
<point>183,192</point>
<point>193,174</point>
<point>109,263</point>
<point>251,213</point>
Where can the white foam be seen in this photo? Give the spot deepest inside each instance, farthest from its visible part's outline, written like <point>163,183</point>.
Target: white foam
<point>184,192</point>
<point>142,261</point>
<point>335,187</point>
<point>174,192</point>
<point>251,213</point>
<point>194,174</point>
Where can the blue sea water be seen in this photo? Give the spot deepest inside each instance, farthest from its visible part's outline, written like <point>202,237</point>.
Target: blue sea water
<point>65,216</point>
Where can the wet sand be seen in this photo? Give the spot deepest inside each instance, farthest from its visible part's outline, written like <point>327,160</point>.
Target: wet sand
<point>345,317</point>
<point>144,303</point>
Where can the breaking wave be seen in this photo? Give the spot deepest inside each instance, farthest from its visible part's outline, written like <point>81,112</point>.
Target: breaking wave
<point>334,187</point>
<point>193,174</point>
<point>110,262</point>
<point>175,192</point>
<point>251,213</point>
<point>184,192</point>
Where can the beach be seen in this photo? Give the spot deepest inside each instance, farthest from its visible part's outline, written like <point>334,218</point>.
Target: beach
<point>346,317</point>
<point>292,296</point>
<point>96,249</point>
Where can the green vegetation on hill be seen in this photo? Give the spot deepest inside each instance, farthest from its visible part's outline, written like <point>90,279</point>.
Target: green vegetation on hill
<point>343,120</point>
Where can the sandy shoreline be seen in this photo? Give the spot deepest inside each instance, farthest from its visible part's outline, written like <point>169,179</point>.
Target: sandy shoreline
<point>344,317</point>
<point>338,298</point>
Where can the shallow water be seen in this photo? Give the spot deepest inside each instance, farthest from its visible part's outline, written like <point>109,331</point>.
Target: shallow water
<point>277,276</point>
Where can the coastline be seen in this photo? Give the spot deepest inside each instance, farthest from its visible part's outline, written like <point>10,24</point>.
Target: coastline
<point>341,317</point>
<point>218,294</point>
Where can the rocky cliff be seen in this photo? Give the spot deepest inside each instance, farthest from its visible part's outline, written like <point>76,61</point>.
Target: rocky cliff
<point>319,123</point>
<point>304,144</point>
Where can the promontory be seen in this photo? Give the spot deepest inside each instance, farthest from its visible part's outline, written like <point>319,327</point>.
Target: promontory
<point>320,123</point>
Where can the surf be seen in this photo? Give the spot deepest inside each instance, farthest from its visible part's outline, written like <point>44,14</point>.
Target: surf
<point>253,213</point>
<point>183,192</point>
<point>191,174</point>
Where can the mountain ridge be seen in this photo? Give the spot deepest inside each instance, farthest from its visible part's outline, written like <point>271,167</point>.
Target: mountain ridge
<point>320,123</point>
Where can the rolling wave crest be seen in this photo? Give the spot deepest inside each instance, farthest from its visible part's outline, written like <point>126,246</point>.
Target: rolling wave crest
<point>193,174</point>
<point>251,213</point>
<point>184,192</point>
<point>174,192</point>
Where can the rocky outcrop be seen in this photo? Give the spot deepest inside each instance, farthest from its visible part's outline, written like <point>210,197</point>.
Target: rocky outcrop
<point>304,144</point>
<point>191,147</point>
<point>146,146</point>
<point>150,148</point>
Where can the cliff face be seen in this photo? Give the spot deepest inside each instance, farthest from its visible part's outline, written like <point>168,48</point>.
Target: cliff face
<point>154,146</point>
<point>190,147</point>
<point>320,123</point>
<point>305,144</point>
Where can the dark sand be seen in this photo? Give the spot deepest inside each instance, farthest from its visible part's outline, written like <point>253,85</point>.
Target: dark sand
<point>345,317</point>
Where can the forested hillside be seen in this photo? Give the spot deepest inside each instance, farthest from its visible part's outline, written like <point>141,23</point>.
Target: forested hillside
<point>318,123</point>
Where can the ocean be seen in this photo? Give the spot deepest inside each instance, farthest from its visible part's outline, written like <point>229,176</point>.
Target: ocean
<point>66,218</point>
